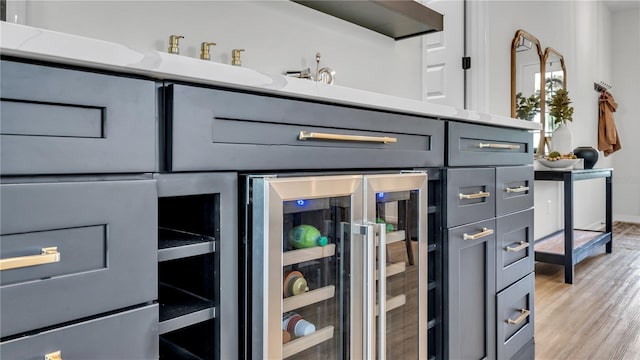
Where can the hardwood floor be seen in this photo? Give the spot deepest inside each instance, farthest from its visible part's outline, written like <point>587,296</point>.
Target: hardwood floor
<point>598,317</point>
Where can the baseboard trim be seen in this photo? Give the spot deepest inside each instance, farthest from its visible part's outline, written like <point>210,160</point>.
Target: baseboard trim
<point>627,218</point>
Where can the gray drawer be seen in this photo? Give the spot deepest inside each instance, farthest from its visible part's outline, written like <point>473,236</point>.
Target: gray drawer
<point>472,145</point>
<point>470,195</point>
<point>512,306</point>
<point>514,189</point>
<point>106,236</point>
<point>58,121</point>
<point>130,334</point>
<point>514,250</point>
<point>212,129</point>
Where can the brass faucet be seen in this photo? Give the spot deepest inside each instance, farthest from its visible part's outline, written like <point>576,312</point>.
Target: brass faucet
<point>173,44</point>
<point>235,57</point>
<point>204,50</point>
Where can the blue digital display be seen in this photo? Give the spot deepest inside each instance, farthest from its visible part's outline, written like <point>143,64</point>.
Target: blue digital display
<point>301,202</point>
<point>380,195</point>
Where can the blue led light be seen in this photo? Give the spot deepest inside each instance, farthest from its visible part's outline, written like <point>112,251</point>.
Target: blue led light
<point>381,195</point>
<point>301,202</point>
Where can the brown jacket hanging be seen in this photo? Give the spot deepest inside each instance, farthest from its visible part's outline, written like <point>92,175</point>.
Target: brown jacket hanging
<point>608,140</point>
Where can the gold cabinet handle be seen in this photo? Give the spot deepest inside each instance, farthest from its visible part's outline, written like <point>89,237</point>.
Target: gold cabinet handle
<point>479,194</point>
<point>499,146</point>
<point>518,189</point>
<point>523,245</point>
<point>483,233</point>
<point>47,256</point>
<point>305,135</point>
<point>524,314</point>
<point>56,355</point>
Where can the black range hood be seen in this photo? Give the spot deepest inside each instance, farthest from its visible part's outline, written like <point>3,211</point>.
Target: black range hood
<point>398,19</point>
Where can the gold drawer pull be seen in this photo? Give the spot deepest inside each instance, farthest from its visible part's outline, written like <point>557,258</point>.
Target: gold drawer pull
<point>523,245</point>
<point>57,355</point>
<point>518,189</point>
<point>483,233</point>
<point>305,135</point>
<point>49,255</point>
<point>520,318</point>
<point>479,194</point>
<point>499,146</point>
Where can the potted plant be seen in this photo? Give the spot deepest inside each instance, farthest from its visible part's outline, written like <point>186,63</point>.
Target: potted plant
<point>559,107</point>
<point>561,113</point>
<point>527,107</point>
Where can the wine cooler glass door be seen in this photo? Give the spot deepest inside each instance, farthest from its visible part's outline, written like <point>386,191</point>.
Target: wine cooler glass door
<point>397,293</point>
<point>302,259</point>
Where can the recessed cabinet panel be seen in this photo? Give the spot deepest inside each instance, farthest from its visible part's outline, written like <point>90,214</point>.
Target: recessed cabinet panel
<point>514,189</point>
<point>515,317</point>
<point>131,334</point>
<point>211,129</point>
<point>104,234</point>
<point>57,121</point>
<point>470,195</point>
<point>514,250</point>
<point>474,145</point>
<point>471,297</point>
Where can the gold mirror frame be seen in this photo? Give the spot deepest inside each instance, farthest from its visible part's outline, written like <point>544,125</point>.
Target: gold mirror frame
<point>543,116</point>
<point>514,45</point>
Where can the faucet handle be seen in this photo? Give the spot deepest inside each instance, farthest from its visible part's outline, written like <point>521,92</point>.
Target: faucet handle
<point>204,50</point>
<point>235,57</point>
<point>173,44</point>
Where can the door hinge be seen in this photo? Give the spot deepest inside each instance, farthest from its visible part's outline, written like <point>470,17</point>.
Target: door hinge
<point>466,62</point>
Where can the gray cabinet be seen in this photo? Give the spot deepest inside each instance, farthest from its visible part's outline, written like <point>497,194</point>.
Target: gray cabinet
<point>515,317</point>
<point>493,202</point>
<point>62,121</point>
<point>471,272</point>
<point>79,224</point>
<point>198,265</point>
<point>104,235</point>
<point>211,129</point>
<point>514,189</point>
<point>131,334</point>
<point>514,250</point>
<point>477,145</point>
<point>471,194</point>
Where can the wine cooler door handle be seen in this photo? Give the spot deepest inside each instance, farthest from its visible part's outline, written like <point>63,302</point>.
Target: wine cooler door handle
<point>382,290</point>
<point>370,292</point>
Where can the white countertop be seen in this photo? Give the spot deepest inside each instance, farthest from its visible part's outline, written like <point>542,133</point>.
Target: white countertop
<point>40,44</point>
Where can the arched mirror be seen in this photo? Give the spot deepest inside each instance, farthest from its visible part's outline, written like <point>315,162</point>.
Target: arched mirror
<point>555,78</point>
<point>527,86</point>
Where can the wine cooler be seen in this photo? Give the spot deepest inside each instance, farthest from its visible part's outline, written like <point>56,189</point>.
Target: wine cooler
<point>336,266</point>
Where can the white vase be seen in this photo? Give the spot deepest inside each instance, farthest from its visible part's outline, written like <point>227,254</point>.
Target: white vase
<point>562,139</point>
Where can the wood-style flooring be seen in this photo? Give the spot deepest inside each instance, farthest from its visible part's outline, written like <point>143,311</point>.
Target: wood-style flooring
<point>598,317</point>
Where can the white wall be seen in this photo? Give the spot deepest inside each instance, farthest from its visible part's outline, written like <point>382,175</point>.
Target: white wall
<point>277,35</point>
<point>581,31</point>
<point>626,90</point>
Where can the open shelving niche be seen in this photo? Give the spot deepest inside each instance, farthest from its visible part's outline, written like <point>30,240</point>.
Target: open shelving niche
<point>186,280</point>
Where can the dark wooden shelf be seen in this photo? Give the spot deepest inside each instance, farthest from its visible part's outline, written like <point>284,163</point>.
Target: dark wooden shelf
<point>550,249</point>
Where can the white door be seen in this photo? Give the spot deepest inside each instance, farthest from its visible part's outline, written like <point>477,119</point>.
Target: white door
<point>443,77</point>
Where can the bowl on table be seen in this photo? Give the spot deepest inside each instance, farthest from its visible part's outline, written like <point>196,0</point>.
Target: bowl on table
<point>558,164</point>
